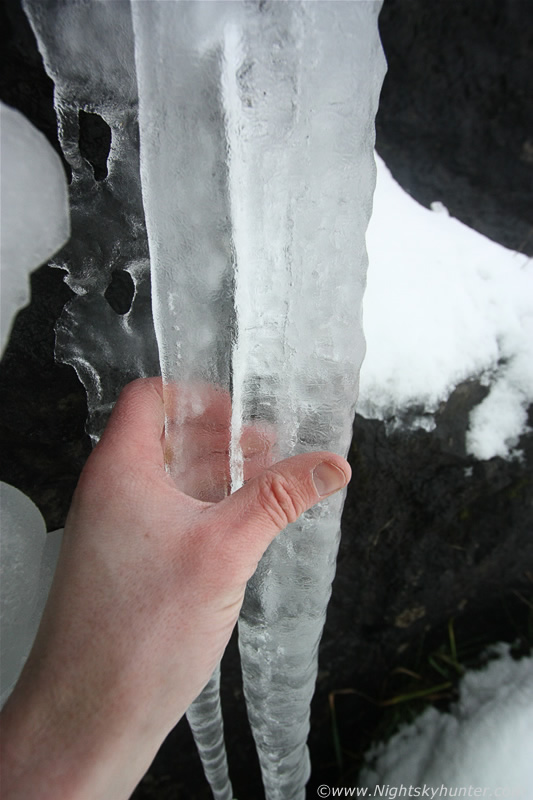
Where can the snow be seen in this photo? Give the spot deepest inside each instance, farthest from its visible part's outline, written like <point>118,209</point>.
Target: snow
<point>444,304</point>
<point>485,741</point>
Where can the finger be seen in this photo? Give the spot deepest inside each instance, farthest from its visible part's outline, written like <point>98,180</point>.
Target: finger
<point>257,512</point>
<point>136,424</point>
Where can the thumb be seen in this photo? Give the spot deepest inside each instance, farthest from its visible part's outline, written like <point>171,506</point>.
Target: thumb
<point>256,513</point>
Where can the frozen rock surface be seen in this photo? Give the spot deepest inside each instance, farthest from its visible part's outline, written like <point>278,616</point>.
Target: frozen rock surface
<point>34,222</point>
<point>456,114</point>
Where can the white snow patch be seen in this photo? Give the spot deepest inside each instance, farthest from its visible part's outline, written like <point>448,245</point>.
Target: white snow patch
<point>486,741</point>
<point>445,304</point>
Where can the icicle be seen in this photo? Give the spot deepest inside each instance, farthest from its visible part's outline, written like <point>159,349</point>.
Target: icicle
<point>301,85</point>
<point>257,140</point>
<point>183,168</point>
<point>205,719</point>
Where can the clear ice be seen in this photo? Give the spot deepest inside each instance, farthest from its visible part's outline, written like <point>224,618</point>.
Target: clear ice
<point>34,220</point>
<point>23,535</point>
<point>88,52</point>
<point>34,223</point>
<point>256,127</point>
<point>29,558</point>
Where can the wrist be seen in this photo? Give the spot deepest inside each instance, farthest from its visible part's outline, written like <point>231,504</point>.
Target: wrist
<point>61,743</point>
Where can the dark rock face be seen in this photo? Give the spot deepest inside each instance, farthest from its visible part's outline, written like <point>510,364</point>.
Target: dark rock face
<point>428,533</point>
<point>43,406</point>
<point>456,119</point>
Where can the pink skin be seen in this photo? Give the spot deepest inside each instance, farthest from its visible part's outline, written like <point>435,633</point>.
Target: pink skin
<point>147,591</point>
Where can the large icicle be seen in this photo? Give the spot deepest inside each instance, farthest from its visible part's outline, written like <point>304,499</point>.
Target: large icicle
<point>301,90</point>
<point>257,138</point>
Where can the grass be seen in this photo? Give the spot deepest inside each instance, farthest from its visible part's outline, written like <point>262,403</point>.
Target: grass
<point>432,678</point>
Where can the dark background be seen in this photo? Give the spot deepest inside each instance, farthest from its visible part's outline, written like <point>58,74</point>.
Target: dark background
<point>425,549</point>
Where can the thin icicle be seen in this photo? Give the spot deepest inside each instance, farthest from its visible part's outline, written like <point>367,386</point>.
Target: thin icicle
<point>184,193</point>
<point>205,718</point>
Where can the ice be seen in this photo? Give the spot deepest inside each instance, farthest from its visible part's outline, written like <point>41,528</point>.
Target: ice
<point>205,719</point>
<point>29,556</point>
<point>183,171</point>
<point>256,124</point>
<point>34,222</point>
<point>87,50</point>
<point>256,132</point>
<point>301,206</point>
<point>22,534</point>
<point>486,739</point>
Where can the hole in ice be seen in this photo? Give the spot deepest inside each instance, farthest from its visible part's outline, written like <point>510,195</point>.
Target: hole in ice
<point>120,292</point>
<point>95,142</point>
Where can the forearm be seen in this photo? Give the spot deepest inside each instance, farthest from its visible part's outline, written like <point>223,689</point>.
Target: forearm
<point>59,744</point>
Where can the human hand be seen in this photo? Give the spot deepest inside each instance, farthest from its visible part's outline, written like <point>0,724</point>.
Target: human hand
<point>147,591</point>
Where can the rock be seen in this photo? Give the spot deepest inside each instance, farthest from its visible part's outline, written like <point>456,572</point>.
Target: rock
<point>456,119</point>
